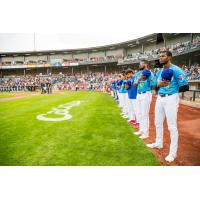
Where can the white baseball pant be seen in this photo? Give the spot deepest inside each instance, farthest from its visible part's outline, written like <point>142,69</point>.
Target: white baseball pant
<point>143,106</point>
<point>132,112</point>
<point>124,97</point>
<point>120,99</point>
<point>167,106</point>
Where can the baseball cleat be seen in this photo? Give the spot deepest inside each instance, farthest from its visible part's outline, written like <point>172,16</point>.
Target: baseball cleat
<point>132,121</point>
<point>143,136</point>
<point>138,133</point>
<point>136,126</point>
<point>170,158</point>
<point>154,145</point>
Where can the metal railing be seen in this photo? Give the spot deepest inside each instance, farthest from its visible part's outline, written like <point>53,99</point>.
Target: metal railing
<point>191,95</point>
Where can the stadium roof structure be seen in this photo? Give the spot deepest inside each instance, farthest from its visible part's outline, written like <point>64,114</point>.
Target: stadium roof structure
<point>148,39</point>
<point>127,44</point>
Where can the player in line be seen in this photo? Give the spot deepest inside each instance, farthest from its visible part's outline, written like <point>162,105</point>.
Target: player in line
<point>170,80</point>
<point>144,82</point>
<point>113,90</point>
<point>132,94</point>
<point>122,94</point>
<point>118,86</point>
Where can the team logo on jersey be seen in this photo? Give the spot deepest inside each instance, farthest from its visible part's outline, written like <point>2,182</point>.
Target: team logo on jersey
<point>141,85</point>
<point>180,78</point>
<point>167,87</point>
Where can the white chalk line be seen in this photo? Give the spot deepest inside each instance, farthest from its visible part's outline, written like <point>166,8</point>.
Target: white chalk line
<point>62,109</point>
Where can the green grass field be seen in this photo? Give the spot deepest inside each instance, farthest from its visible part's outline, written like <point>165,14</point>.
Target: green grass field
<point>96,135</point>
<point>11,94</point>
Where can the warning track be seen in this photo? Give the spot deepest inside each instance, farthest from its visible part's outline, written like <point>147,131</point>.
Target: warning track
<point>189,137</point>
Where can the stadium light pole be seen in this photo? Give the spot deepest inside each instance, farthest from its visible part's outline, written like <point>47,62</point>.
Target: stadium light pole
<point>34,41</point>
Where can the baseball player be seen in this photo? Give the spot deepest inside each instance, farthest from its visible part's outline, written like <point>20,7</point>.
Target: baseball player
<point>132,93</point>
<point>170,80</point>
<point>144,80</point>
<point>124,96</point>
<point>113,86</point>
<point>118,86</point>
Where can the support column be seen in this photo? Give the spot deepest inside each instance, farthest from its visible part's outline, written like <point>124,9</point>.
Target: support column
<point>191,37</point>
<point>142,48</point>
<point>72,70</point>
<point>24,72</point>
<point>189,63</point>
<point>34,42</point>
<point>48,59</point>
<point>124,53</point>
<point>164,42</point>
<point>105,69</point>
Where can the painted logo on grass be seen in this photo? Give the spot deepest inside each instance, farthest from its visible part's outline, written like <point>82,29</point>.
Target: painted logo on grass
<point>62,110</point>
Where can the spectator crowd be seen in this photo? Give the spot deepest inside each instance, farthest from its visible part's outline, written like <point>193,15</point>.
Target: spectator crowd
<point>87,81</point>
<point>193,72</point>
<point>177,48</point>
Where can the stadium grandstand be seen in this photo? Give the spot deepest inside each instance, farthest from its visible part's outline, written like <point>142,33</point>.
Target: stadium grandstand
<point>97,64</point>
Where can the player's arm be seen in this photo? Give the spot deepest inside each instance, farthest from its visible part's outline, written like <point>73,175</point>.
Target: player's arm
<point>127,85</point>
<point>136,83</point>
<point>157,82</point>
<point>136,80</point>
<point>118,85</point>
<point>162,83</point>
<point>141,78</point>
<point>181,80</point>
<point>153,81</point>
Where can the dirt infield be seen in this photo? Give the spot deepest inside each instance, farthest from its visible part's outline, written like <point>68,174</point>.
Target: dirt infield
<point>189,137</point>
<point>18,96</point>
<point>28,94</point>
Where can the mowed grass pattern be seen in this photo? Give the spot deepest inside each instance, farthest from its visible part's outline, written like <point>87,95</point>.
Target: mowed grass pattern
<point>10,94</point>
<point>95,136</point>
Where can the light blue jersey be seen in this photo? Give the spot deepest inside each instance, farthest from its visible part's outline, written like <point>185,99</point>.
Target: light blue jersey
<point>145,86</point>
<point>122,88</point>
<point>179,79</point>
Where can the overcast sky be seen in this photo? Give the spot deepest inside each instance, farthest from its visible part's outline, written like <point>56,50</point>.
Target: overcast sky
<point>88,23</point>
<point>15,42</point>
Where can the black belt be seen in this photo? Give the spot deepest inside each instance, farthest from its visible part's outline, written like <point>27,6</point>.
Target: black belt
<point>141,92</point>
<point>164,95</point>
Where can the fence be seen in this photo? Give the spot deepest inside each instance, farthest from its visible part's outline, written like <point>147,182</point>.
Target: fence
<point>191,95</point>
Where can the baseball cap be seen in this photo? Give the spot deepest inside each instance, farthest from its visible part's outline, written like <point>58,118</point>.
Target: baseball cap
<point>146,73</point>
<point>167,74</point>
